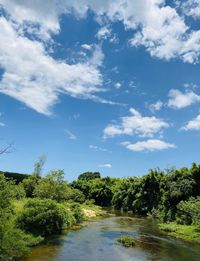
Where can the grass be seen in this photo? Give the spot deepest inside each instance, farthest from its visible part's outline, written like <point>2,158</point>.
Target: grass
<point>127,241</point>
<point>188,233</point>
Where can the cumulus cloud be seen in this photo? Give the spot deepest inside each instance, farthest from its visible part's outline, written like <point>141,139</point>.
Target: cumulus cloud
<point>136,124</point>
<point>104,32</point>
<point>148,145</point>
<point>194,124</point>
<point>33,77</point>
<point>179,100</point>
<point>190,8</point>
<point>157,26</point>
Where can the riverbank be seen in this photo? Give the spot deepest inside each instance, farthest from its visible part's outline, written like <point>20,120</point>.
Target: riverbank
<point>187,233</point>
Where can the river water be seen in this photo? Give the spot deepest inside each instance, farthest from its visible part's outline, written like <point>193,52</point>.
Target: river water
<point>97,240</point>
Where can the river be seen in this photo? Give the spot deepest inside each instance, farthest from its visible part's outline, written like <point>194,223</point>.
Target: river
<point>97,240</point>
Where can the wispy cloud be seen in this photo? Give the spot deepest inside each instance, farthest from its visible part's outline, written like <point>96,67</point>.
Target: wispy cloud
<point>71,135</point>
<point>97,148</point>
<point>106,165</point>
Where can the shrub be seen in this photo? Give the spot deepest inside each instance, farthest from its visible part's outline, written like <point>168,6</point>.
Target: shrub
<point>189,212</point>
<point>77,212</point>
<point>76,195</point>
<point>43,217</point>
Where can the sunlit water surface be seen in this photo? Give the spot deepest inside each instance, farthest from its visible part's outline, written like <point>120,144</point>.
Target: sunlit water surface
<point>97,240</point>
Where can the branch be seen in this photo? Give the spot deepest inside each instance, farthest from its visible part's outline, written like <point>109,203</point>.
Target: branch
<point>7,149</point>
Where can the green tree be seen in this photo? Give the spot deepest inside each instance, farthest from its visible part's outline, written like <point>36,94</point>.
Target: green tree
<point>53,186</point>
<point>89,176</point>
<point>13,241</point>
<point>44,217</point>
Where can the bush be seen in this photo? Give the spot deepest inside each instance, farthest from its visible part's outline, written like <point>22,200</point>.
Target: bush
<point>76,195</point>
<point>30,184</point>
<point>77,212</point>
<point>43,217</point>
<point>189,212</point>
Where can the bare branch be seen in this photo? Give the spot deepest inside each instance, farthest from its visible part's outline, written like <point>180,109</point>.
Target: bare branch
<point>7,149</point>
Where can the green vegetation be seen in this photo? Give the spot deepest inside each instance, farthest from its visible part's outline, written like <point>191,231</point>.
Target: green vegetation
<point>35,208</point>
<point>17,177</point>
<point>38,206</point>
<point>127,241</point>
<point>185,232</point>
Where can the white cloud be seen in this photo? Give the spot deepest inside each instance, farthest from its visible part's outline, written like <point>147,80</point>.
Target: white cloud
<point>148,145</point>
<point>104,33</point>
<point>193,124</point>
<point>33,77</point>
<point>155,106</point>
<point>136,124</point>
<point>190,8</point>
<point>179,100</point>
<point>107,165</point>
<point>87,46</point>
<point>118,85</point>
<point>96,148</point>
<point>71,135</point>
<point>159,27</point>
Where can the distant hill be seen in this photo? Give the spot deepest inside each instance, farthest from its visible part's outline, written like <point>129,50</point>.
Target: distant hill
<point>18,177</point>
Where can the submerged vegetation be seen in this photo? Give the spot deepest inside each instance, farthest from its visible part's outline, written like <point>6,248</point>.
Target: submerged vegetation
<point>36,207</point>
<point>127,241</point>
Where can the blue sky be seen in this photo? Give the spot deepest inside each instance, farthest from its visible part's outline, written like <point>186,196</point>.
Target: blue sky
<point>113,88</point>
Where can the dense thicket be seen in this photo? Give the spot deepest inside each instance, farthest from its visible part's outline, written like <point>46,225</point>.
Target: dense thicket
<point>163,194</point>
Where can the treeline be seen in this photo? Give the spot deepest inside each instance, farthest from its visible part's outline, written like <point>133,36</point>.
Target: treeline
<point>17,177</point>
<point>170,195</point>
<point>38,206</point>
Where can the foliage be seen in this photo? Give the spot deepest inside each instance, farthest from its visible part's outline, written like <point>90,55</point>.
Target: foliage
<point>30,184</point>
<point>13,241</point>
<point>188,233</point>
<point>76,195</point>
<point>189,212</point>
<point>19,191</point>
<point>77,212</point>
<point>98,189</point>
<point>127,241</point>
<point>17,177</point>
<point>53,186</point>
<point>43,217</point>
<point>89,176</point>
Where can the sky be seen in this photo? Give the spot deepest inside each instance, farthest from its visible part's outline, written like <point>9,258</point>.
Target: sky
<point>110,86</point>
